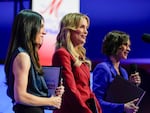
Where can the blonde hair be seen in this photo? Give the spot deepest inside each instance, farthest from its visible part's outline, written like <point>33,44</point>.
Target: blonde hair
<point>69,23</point>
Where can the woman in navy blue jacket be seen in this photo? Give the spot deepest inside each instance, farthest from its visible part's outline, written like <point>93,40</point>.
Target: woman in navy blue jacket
<point>116,46</point>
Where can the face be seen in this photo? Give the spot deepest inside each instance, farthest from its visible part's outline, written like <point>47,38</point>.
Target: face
<point>78,37</point>
<point>40,35</point>
<point>124,50</point>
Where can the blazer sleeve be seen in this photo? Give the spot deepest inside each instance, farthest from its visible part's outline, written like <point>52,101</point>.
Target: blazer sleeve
<point>101,80</point>
<point>64,59</point>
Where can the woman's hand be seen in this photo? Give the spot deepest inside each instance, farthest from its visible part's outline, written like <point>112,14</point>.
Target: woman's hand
<point>135,78</point>
<point>60,90</point>
<point>130,107</point>
<point>55,101</point>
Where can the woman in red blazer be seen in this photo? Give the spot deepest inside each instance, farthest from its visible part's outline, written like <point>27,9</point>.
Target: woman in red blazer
<point>71,55</point>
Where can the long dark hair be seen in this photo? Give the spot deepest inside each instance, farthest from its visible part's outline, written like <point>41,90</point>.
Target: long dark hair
<point>25,27</point>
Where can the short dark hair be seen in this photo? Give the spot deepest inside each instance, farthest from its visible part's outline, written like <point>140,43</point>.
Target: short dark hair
<point>25,27</point>
<point>112,41</point>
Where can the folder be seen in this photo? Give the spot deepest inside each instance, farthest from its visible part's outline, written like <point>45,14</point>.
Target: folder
<point>123,91</point>
<point>92,105</point>
<point>52,76</point>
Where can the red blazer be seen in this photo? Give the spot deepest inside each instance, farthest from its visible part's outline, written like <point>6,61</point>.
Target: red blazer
<point>76,82</point>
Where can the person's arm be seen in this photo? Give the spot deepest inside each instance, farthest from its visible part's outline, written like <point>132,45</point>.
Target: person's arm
<point>63,58</point>
<point>101,80</point>
<point>21,66</point>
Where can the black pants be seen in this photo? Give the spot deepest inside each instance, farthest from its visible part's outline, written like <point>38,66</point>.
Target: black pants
<point>19,108</point>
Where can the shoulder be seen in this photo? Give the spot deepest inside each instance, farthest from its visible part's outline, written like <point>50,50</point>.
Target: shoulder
<point>22,56</point>
<point>102,65</point>
<point>22,59</point>
<point>62,57</point>
<point>62,51</point>
<point>102,69</point>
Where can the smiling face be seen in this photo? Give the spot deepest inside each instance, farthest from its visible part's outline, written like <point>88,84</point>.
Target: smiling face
<point>123,50</point>
<point>78,36</point>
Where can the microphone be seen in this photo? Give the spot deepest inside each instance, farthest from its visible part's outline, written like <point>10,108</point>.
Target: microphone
<point>133,68</point>
<point>146,37</point>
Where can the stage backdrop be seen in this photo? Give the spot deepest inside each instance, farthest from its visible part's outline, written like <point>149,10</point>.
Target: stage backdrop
<point>52,11</point>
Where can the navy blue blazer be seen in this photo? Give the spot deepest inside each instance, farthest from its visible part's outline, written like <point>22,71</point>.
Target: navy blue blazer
<point>103,74</point>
